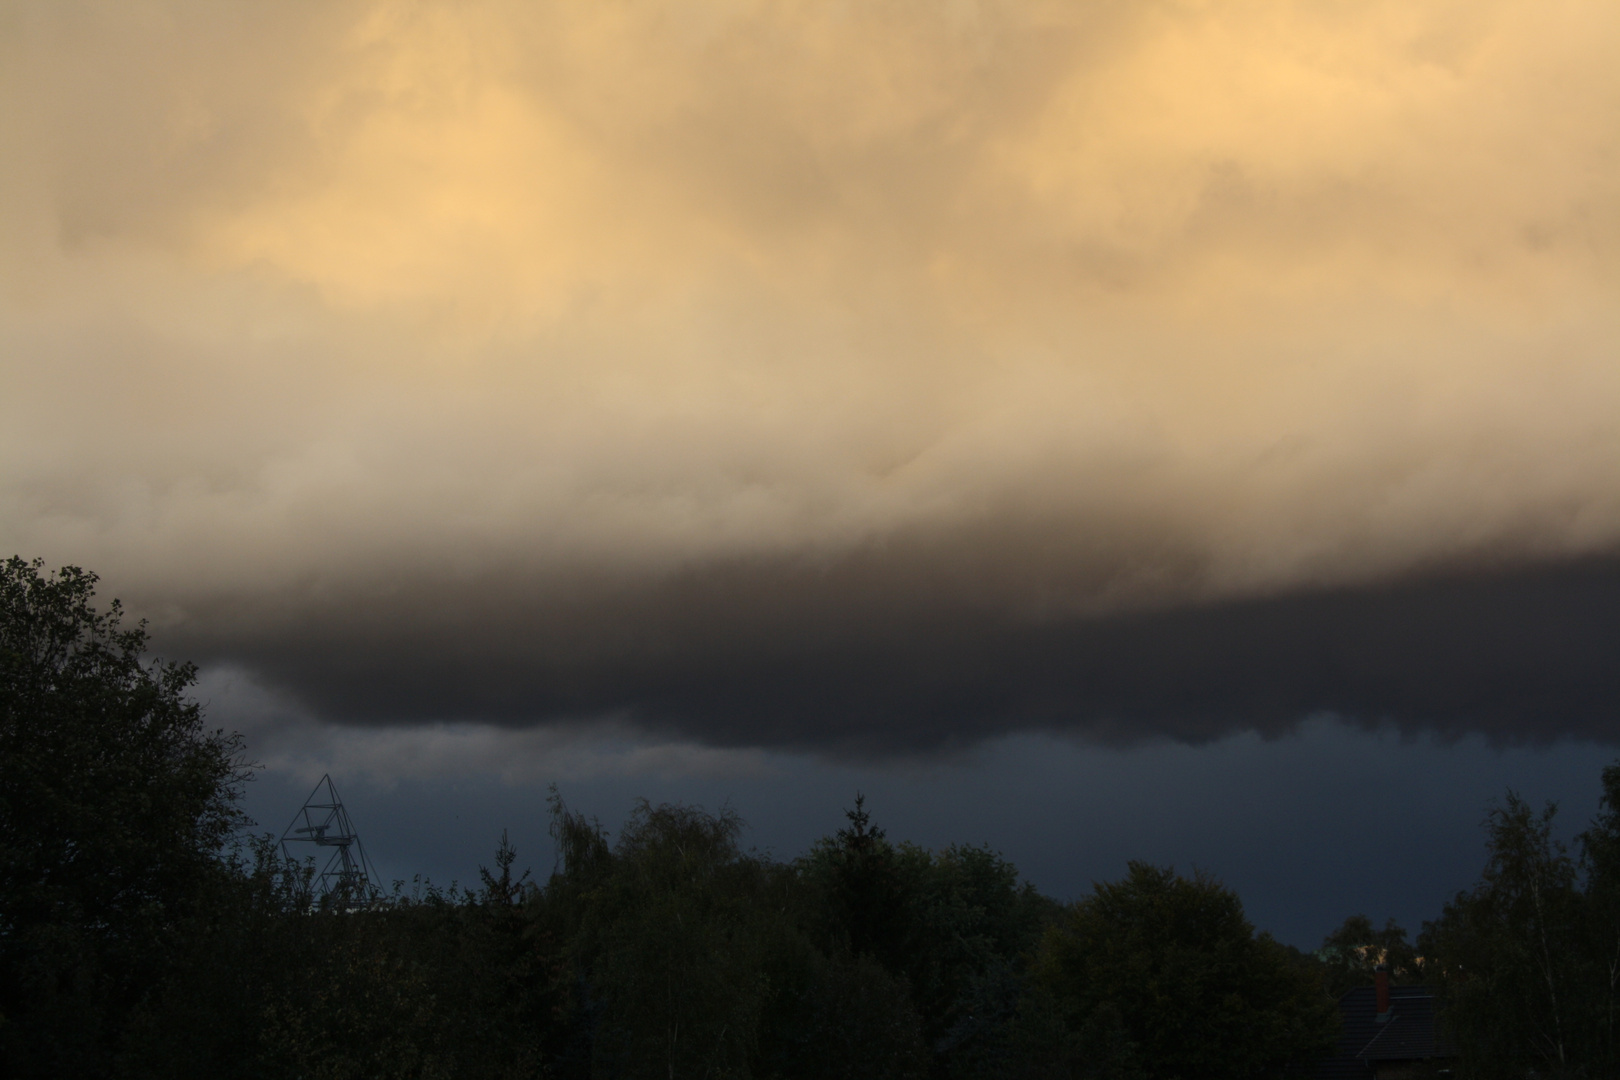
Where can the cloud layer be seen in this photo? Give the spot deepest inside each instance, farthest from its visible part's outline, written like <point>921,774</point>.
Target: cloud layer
<point>849,663</point>
<point>894,374</point>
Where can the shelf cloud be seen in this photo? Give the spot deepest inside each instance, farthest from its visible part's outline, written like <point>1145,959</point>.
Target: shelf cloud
<point>823,659</point>
<point>868,378</point>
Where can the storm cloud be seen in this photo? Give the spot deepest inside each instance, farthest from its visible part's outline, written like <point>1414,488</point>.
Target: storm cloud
<point>811,658</point>
<point>871,378</point>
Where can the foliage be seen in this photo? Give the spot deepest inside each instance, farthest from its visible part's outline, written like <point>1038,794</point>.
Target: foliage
<point>1506,949</point>
<point>115,804</point>
<point>956,926</point>
<point>1527,960</point>
<point>429,983</point>
<point>1352,953</point>
<point>690,957</point>
<point>1600,860</point>
<point>672,938</point>
<point>1160,975</point>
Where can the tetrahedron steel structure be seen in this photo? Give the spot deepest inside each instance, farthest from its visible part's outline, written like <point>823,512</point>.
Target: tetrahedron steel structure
<point>347,880</point>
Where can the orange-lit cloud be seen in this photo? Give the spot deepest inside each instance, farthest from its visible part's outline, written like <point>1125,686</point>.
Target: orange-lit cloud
<point>1082,307</point>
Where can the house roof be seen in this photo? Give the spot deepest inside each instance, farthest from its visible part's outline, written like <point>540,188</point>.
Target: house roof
<point>1409,1034</point>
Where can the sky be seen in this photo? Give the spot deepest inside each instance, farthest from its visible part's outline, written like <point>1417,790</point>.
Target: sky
<point>1153,415</point>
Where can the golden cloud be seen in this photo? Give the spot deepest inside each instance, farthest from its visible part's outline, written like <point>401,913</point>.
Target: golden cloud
<point>1209,299</point>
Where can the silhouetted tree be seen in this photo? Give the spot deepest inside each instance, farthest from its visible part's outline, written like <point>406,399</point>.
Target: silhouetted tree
<point>867,898</point>
<point>115,805</point>
<point>1514,958</point>
<point>1600,859</point>
<point>1159,975</point>
<point>1351,953</point>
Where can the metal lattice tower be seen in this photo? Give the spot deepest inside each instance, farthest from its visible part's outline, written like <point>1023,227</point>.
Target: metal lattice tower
<point>348,879</point>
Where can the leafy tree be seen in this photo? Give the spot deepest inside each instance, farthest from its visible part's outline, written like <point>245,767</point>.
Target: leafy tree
<point>1162,976</point>
<point>1600,859</point>
<point>1351,953</point>
<point>1514,957</point>
<point>667,935</point>
<point>955,927</point>
<point>690,957</point>
<point>427,983</point>
<point>243,944</point>
<point>115,803</point>
<point>360,1004</point>
<point>836,1016</point>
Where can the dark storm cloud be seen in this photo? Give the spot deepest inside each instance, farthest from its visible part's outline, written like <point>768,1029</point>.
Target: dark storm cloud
<point>851,658</point>
<point>870,377</point>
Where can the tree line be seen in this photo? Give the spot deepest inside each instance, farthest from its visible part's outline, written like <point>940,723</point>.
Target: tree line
<point>143,933</point>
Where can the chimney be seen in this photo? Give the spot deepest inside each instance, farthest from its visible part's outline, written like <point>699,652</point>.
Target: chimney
<point>1381,990</point>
